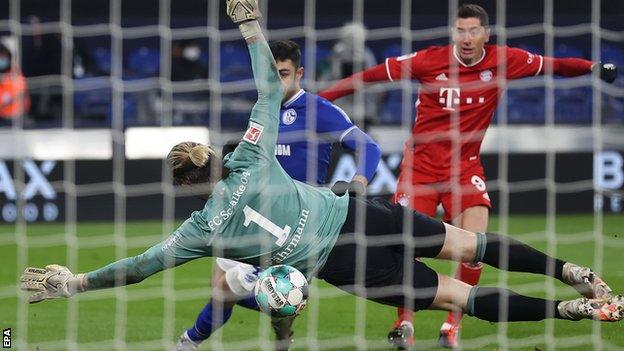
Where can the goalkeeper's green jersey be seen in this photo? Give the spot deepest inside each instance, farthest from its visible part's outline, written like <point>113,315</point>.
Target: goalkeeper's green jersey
<point>257,214</point>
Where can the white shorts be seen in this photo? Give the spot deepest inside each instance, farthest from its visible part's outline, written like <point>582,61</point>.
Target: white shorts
<point>240,277</point>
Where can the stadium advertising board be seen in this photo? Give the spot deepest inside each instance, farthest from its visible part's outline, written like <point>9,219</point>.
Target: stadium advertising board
<point>526,180</point>
<point>609,177</point>
<point>38,200</point>
<point>43,197</point>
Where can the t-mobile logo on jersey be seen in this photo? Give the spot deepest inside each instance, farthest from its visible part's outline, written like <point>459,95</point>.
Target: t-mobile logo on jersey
<point>451,97</point>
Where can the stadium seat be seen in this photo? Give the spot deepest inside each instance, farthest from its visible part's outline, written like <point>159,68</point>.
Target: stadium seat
<point>613,106</point>
<point>391,110</point>
<point>613,53</point>
<point>143,62</point>
<point>102,58</point>
<point>529,47</point>
<point>572,105</point>
<point>322,54</point>
<point>94,107</point>
<point>525,105</point>
<point>235,63</point>
<point>391,50</point>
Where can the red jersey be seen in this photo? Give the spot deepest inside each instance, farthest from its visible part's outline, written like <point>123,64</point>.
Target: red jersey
<point>451,90</point>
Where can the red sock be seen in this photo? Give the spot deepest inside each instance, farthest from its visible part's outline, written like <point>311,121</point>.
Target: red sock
<point>404,315</point>
<point>469,274</point>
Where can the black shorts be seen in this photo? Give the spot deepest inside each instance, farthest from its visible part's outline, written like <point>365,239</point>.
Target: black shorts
<point>383,240</point>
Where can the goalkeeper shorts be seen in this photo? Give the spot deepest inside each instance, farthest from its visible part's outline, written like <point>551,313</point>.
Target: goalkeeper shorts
<point>388,270</point>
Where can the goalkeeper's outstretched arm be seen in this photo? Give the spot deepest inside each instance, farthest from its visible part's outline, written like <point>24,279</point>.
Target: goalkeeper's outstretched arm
<point>56,281</point>
<point>261,136</point>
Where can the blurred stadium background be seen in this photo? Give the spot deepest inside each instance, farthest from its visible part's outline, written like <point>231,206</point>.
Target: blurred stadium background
<point>113,86</point>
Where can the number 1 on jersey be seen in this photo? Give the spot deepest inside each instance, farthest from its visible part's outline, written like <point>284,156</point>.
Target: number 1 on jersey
<point>252,215</point>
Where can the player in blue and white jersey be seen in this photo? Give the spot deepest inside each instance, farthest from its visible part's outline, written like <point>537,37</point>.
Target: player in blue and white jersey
<point>309,126</point>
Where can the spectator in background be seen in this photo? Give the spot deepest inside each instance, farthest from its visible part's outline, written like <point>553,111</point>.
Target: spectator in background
<point>14,100</point>
<point>185,62</point>
<point>349,55</point>
<point>85,64</point>
<point>189,107</point>
<point>42,56</point>
<point>42,51</point>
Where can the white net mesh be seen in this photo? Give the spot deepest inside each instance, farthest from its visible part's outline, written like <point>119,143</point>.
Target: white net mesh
<point>151,316</point>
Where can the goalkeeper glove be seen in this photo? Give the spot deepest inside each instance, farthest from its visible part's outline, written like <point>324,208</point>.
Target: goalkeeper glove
<point>244,13</point>
<point>354,188</point>
<point>607,71</point>
<point>51,283</point>
<point>242,10</point>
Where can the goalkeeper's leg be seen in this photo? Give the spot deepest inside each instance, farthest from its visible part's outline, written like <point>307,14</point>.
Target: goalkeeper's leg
<point>503,305</point>
<point>507,253</point>
<point>444,241</point>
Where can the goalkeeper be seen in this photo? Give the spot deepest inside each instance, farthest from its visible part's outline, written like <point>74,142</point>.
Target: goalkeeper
<point>308,128</point>
<point>258,215</point>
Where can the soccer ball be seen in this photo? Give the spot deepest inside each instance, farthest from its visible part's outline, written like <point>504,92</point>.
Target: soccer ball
<point>281,291</point>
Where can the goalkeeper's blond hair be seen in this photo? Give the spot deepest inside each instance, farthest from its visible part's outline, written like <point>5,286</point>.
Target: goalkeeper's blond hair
<point>191,162</point>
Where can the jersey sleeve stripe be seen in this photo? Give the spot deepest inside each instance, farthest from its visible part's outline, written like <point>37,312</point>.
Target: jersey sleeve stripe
<point>344,134</point>
<point>388,70</point>
<point>539,69</point>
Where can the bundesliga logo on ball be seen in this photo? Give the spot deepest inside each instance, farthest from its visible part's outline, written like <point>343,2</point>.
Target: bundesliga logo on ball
<point>281,291</point>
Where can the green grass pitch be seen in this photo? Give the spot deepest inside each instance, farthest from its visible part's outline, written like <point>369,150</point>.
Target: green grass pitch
<point>332,318</point>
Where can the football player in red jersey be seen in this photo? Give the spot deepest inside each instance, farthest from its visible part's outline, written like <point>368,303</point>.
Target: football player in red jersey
<point>460,85</point>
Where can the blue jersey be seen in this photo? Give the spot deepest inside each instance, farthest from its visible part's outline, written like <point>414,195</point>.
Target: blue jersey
<point>306,121</point>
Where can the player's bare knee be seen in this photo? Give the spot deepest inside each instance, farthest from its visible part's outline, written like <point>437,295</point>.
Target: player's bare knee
<point>468,245</point>
<point>452,294</point>
<point>459,245</point>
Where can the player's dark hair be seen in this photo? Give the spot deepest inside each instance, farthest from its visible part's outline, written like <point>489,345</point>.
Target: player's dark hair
<point>191,163</point>
<point>474,11</point>
<point>283,50</point>
<point>229,146</point>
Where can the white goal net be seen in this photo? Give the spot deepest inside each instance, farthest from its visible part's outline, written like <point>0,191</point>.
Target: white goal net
<point>83,182</point>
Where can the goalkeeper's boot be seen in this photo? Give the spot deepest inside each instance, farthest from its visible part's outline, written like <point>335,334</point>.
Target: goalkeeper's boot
<point>610,309</point>
<point>449,335</point>
<point>186,344</point>
<point>585,281</point>
<point>283,333</point>
<point>402,335</point>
